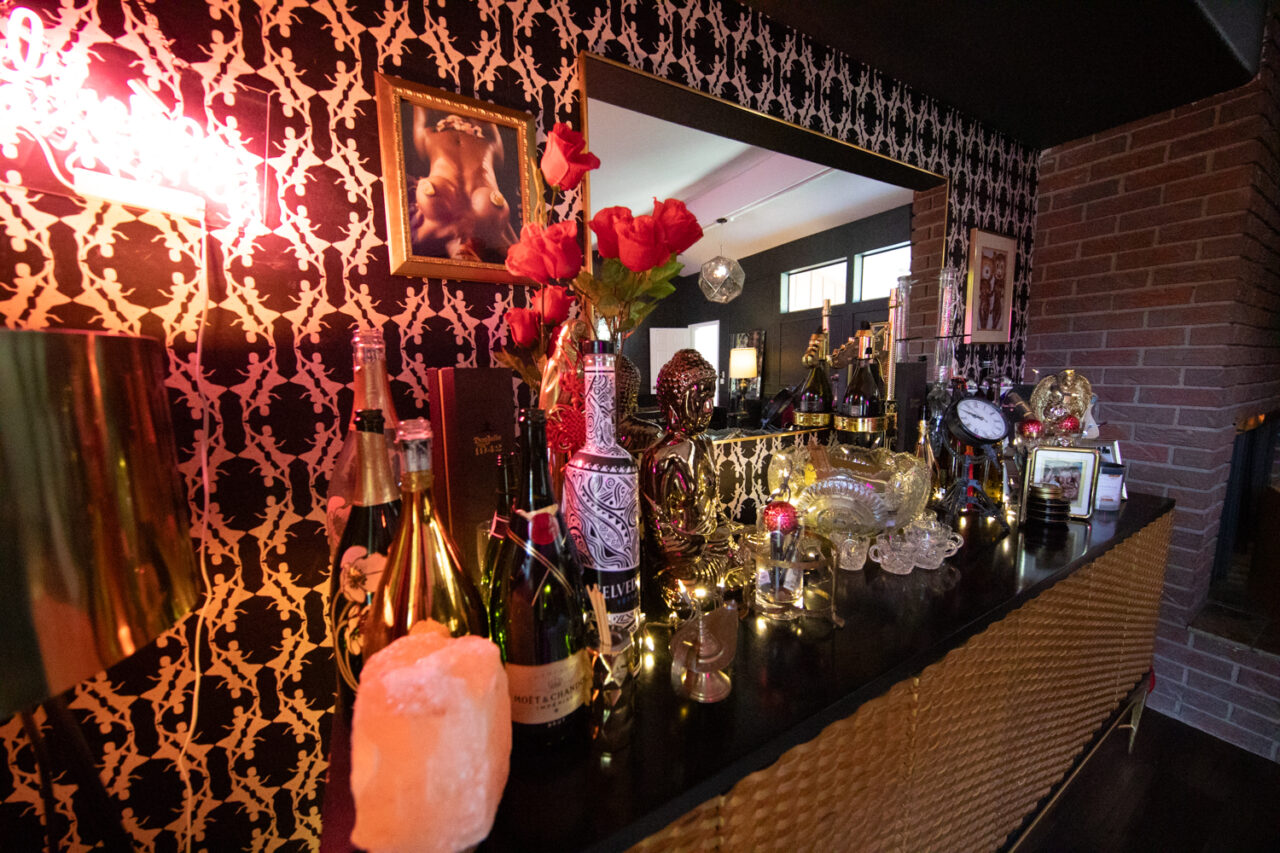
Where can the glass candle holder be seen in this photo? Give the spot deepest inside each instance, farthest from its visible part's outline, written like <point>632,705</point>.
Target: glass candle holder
<point>779,577</point>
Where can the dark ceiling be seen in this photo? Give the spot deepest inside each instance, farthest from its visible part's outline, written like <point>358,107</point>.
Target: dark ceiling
<point>1044,71</point>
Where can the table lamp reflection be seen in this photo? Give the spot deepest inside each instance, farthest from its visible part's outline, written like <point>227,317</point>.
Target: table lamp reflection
<point>743,366</point>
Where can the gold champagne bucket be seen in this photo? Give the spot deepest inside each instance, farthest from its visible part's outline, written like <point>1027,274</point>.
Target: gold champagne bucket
<point>95,553</point>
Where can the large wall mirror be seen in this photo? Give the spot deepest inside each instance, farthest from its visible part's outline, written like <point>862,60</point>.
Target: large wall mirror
<point>796,205</point>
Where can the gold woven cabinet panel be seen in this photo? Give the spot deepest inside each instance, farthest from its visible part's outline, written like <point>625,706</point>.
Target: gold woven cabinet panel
<point>841,790</point>
<point>1063,684</point>
<point>696,831</point>
<point>958,753</point>
<point>954,759</point>
<point>1139,582</point>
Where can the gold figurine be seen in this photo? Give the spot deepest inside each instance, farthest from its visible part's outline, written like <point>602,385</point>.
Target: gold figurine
<point>686,533</point>
<point>634,433</point>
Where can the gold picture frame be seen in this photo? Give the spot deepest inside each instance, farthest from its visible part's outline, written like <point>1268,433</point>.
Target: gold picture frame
<point>1073,468</point>
<point>988,304</point>
<point>456,181</point>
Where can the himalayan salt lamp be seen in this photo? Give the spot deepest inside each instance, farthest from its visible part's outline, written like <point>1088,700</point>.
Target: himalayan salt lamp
<point>430,744</point>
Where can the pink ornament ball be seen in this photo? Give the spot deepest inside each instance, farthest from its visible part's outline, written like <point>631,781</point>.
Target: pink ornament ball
<point>780,517</point>
<point>1031,428</point>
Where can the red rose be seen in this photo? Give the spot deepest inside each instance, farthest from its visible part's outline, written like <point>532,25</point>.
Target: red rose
<point>606,224</point>
<point>523,326</point>
<point>640,245</point>
<point>680,229</point>
<point>526,258</point>
<point>546,253</point>
<point>553,304</point>
<point>565,159</point>
<point>560,250</point>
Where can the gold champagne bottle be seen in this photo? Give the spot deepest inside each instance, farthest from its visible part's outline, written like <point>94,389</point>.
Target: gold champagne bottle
<point>423,578</point>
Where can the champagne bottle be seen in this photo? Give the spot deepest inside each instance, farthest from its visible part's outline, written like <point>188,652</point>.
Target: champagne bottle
<point>372,389</point>
<point>424,578</point>
<point>873,363</point>
<point>813,401</point>
<point>861,418</point>
<point>361,553</point>
<point>602,499</point>
<point>498,524</point>
<point>536,610</point>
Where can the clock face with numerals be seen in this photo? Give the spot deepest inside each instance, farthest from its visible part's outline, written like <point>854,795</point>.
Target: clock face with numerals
<point>977,421</point>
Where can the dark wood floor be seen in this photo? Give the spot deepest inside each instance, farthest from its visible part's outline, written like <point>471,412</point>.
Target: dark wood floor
<point>1181,790</point>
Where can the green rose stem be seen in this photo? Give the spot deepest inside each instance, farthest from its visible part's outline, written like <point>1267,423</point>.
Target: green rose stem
<point>623,298</point>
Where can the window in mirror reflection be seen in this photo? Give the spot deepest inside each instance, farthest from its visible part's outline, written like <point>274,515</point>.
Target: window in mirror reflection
<point>876,273</point>
<point>806,288</point>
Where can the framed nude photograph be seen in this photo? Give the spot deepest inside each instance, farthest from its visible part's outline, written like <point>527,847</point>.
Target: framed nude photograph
<point>456,180</point>
<point>988,307</point>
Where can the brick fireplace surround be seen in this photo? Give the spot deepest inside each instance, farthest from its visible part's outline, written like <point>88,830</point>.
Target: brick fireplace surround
<point>1156,273</point>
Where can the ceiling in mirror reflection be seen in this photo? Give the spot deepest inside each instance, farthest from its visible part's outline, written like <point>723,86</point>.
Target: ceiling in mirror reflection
<point>768,198</point>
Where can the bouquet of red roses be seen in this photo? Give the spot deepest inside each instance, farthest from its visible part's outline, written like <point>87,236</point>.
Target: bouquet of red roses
<point>546,253</point>
<point>639,255</point>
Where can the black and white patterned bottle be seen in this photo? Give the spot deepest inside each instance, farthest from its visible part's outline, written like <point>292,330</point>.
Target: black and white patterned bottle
<point>602,498</point>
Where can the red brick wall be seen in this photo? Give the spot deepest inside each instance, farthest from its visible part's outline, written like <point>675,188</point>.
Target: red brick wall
<point>1156,273</point>
<point>928,250</point>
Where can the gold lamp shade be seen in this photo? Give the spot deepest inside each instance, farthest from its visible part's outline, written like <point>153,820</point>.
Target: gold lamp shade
<point>95,553</point>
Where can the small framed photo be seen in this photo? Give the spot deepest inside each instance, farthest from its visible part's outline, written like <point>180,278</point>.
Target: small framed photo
<point>988,306</point>
<point>1108,451</point>
<point>456,181</point>
<point>1073,468</point>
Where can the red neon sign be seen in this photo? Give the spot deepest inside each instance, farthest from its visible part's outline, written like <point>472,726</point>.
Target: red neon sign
<point>98,146</point>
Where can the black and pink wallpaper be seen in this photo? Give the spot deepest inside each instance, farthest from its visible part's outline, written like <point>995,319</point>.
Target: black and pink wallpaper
<point>291,83</point>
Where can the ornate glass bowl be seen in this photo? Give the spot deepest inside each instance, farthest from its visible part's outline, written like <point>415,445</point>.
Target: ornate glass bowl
<point>842,505</point>
<point>900,479</point>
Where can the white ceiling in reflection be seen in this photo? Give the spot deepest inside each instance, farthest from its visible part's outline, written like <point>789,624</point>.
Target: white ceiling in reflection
<point>768,198</point>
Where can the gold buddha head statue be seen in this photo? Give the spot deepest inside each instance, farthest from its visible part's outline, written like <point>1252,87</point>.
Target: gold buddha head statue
<point>687,392</point>
<point>627,378</point>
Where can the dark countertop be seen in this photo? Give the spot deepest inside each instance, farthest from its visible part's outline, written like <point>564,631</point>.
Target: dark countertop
<point>790,681</point>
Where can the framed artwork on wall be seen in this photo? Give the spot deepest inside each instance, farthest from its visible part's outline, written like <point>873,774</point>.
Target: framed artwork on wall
<point>988,306</point>
<point>1075,469</point>
<point>456,181</point>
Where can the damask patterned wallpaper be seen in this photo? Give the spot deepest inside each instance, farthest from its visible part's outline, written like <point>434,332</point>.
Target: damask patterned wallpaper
<point>293,81</point>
